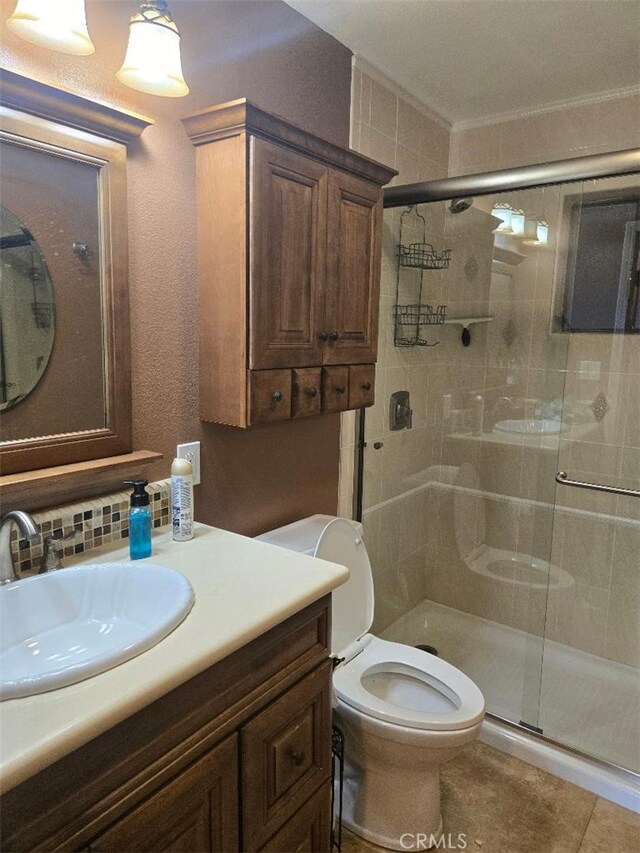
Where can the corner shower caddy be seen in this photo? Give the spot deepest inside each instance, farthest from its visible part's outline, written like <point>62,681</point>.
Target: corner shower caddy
<point>409,318</point>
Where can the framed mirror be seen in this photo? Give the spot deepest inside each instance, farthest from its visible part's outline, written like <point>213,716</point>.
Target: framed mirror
<point>65,392</point>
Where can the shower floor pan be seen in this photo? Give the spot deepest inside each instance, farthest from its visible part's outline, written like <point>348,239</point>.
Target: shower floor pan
<point>588,703</point>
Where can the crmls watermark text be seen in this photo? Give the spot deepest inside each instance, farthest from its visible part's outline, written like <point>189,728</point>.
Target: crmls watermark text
<point>424,841</point>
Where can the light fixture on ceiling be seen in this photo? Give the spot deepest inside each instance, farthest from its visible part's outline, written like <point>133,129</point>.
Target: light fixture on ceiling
<point>152,62</point>
<point>60,26</point>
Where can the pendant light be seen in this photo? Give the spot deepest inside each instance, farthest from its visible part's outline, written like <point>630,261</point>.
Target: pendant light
<point>502,211</point>
<point>60,26</point>
<point>152,63</point>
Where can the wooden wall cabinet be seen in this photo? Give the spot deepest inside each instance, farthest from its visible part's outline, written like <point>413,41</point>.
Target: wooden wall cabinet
<point>238,758</point>
<point>289,248</point>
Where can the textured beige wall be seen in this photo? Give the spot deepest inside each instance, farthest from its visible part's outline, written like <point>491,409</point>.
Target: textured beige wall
<point>271,54</point>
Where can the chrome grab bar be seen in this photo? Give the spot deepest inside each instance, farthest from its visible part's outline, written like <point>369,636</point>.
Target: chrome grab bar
<point>563,479</point>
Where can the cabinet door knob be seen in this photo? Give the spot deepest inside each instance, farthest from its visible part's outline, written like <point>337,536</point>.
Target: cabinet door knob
<point>312,392</point>
<point>324,336</point>
<point>339,389</point>
<point>333,336</point>
<point>297,757</point>
<point>366,386</point>
<point>276,396</point>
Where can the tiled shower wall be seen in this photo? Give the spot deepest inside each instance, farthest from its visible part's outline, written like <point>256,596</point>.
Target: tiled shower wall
<point>390,126</point>
<point>410,528</point>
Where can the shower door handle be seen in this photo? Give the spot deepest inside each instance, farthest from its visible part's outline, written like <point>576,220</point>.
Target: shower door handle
<point>563,479</point>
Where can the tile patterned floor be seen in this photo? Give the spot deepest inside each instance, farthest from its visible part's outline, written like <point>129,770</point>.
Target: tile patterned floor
<point>504,805</point>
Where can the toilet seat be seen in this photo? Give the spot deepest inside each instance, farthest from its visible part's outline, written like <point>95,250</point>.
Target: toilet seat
<point>423,691</point>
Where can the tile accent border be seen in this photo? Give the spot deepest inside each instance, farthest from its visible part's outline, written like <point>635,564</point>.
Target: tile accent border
<point>98,521</point>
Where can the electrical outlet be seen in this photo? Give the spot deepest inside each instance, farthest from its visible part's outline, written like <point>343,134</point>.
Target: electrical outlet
<point>191,452</point>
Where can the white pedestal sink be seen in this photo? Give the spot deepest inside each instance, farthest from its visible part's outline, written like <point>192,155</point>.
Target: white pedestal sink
<point>65,626</point>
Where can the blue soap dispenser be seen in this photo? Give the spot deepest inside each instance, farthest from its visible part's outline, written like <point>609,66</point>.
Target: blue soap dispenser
<point>139,520</point>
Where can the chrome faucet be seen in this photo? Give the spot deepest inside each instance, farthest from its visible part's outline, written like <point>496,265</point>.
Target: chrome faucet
<point>29,530</point>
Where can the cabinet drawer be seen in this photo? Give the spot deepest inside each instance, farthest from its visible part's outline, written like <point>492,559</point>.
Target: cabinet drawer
<point>309,830</point>
<point>270,395</point>
<point>335,389</point>
<point>362,379</point>
<point>306,396</point>
<point>286,755</point>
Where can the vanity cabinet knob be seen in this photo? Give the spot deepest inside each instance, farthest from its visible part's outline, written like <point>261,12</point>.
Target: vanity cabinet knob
<point>297,757</point>
<point>339,389</point>
<point>333,336</point>
<point>312,392</point>
<point>324,336</point>
<point>366,386</point>
<point>276,396</point>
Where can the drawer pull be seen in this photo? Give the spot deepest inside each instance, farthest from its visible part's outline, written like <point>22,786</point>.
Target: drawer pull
<point>297,757</point>
<point>339,389</point>
<point>333,336</point>
<point>324,336</point>
<point>366,386</point>
<point>312,392</point>
<point>276,397</point>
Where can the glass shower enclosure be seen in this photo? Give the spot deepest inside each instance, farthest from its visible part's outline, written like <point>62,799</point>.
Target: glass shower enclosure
<point>501,473</point>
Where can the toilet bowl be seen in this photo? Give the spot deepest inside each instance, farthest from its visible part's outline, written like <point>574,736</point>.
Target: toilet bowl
<point>403,711</point>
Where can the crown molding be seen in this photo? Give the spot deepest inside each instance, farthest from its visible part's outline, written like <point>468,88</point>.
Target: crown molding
<point>360,64</point>
<point>555,106</point>
<point>50,102</point>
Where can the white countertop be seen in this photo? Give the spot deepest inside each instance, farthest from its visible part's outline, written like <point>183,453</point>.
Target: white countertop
<point>242,589</point>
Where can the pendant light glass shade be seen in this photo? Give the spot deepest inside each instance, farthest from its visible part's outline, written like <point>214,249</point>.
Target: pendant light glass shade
<point>503,210</point>
<point>517,223</point>
<point>59,25</point>
<point>152,63</point>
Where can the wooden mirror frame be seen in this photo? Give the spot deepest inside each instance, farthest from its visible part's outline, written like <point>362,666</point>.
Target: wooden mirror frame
<point>41,117</point>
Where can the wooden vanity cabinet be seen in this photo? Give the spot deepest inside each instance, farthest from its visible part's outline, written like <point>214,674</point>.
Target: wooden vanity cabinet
<point>236,759</point>
<point>289,249</point>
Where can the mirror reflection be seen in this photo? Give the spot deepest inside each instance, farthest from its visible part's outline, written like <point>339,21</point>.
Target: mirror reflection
<point>52,354</point>
<point>27,311</point>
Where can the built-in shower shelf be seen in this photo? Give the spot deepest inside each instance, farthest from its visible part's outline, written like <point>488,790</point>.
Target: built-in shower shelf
<point>465,322</point>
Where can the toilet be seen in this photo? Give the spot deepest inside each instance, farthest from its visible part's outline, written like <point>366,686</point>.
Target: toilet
<point>403,711</point>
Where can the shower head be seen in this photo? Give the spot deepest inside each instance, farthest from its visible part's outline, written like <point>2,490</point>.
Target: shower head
<point>457,205</point>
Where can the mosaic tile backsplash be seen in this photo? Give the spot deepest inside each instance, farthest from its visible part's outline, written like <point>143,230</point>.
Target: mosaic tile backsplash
<point>97,522</point>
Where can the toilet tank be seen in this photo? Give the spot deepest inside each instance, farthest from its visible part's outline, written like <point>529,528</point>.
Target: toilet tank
<point>352,603</point>
<point>302,535</point>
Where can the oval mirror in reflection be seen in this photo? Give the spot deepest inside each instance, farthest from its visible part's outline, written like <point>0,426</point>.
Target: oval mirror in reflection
<point>27,311</point>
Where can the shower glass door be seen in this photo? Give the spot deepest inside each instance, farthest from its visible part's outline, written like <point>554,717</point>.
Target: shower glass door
<point>529,587</point>
<point>590,697</point>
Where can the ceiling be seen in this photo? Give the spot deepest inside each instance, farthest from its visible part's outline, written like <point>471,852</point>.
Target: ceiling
<point>471,59</point>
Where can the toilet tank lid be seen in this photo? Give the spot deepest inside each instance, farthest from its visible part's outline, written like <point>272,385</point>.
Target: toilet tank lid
<point>302,535</point>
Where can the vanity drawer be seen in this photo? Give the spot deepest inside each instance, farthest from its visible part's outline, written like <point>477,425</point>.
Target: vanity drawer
<point>309,830</point>
<point>306,396</point>
<point>362,378</point>
<point>269,395</point>
<point>286,756</point>
<point>335,388</point>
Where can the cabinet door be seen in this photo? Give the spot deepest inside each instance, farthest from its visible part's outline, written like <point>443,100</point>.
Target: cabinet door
<point>286,756</point>
<point>196,811</point>
<point>354,217</point>
<point>287,257</point>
